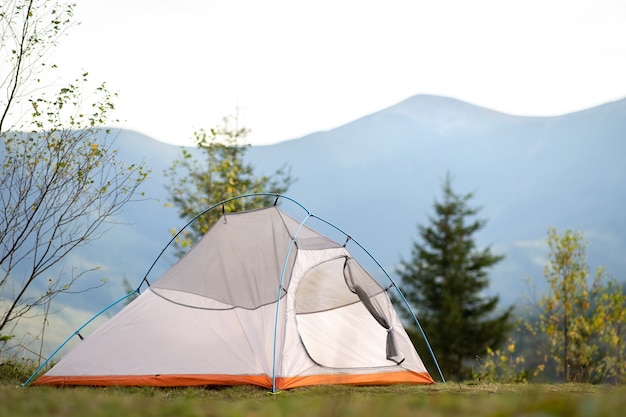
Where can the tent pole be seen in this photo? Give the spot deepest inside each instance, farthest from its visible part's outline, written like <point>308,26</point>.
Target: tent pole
<point>221,203</point>
<point>280,289</point>
<point>280,286</point>
<point>76,333</point>
<point>419,326</point>
<point>406,303</point>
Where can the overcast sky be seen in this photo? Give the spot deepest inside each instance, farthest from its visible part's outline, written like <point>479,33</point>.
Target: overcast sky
<point>296,67</point>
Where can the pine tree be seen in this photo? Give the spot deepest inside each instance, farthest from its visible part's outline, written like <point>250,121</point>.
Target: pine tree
<point>444,281</point>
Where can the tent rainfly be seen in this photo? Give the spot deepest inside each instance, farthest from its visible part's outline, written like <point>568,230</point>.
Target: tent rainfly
<point>260,299</point>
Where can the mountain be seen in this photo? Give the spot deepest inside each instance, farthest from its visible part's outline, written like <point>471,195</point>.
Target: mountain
<point>378,177</point>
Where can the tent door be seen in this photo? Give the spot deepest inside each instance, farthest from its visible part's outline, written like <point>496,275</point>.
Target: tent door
<point>335,327</point>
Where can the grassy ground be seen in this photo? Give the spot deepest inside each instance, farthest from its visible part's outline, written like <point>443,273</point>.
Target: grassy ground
<point>570,400</point>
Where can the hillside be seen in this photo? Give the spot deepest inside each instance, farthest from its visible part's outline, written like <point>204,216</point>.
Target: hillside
<point>377,178</point>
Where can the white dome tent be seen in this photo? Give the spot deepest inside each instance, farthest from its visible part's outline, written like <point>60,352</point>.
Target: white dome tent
<point>262,299</point>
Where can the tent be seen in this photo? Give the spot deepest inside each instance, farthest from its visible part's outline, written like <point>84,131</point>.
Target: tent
<point>262,299</point>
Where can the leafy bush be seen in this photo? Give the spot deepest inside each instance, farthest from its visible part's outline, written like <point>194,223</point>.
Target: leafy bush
<point>503,365</point>
<point>14,371</point>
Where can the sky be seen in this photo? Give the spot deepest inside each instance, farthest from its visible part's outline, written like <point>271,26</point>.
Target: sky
<point>290,68</point>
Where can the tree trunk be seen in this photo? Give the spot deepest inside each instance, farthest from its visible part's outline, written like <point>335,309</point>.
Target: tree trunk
<point>565,349</point>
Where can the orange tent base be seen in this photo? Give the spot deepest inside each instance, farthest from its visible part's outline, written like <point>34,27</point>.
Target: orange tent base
<point>386,378</point>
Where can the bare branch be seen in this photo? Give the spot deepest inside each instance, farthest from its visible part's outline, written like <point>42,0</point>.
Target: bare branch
<point>62,181</point>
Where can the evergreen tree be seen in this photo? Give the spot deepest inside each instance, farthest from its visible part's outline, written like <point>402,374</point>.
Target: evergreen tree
<point>444,281</point>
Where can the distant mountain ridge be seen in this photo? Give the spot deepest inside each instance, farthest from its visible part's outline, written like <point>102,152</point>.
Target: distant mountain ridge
<point>527,173</point>
<point>378,176</point>
<point>386,169</point>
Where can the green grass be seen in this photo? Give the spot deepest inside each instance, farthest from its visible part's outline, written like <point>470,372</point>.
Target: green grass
<point>570,400</point>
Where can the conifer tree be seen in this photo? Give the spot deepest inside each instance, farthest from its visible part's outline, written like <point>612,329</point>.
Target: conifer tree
<point>444,281</point>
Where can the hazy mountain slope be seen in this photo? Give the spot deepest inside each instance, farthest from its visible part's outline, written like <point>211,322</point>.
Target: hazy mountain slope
<point>377,178</point>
